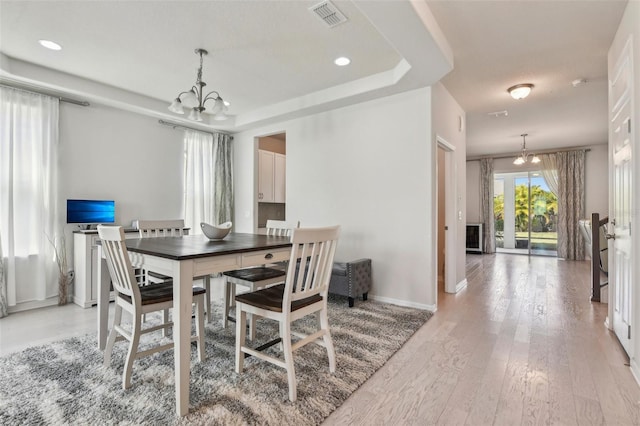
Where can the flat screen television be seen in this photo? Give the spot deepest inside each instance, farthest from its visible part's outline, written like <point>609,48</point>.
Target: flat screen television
<point>91,211</point>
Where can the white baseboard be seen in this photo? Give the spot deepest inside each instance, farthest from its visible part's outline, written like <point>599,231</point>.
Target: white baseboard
<point>461,285</point>
<point>431,308</point>
<point>635,371</point>
<point>35,304</point>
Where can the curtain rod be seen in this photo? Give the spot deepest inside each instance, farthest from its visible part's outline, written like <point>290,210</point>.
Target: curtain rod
<point>515,154</point>
<point>40,91</point>
<point>182,126</point>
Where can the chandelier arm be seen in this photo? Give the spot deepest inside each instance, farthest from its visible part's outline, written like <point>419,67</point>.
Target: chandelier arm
<point>182,93</point>
<point>209,97</point>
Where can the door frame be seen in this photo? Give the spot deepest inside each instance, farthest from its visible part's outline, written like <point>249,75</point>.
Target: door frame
<point>450,238</point>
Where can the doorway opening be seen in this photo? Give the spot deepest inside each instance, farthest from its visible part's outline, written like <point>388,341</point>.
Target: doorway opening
<point>525,211</point>
<point>271,194</point>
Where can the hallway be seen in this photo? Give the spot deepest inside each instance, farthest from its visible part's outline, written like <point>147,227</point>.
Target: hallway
<point>522,344</point>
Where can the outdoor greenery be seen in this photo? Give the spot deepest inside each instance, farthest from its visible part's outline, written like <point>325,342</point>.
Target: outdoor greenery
<point>544,205</point>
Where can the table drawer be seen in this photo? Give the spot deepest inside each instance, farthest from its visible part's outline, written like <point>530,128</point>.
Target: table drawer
<point>211,265</point>
<point>265,256</point>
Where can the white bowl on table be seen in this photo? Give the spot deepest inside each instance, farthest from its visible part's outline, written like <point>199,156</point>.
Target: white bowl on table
<point>216,232</point>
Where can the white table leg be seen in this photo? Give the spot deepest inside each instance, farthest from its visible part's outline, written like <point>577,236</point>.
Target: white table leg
<point>104,282</point>
<point>182,307</point>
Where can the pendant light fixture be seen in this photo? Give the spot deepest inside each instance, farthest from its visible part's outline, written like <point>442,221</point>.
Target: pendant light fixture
<point>195,98</point>
<point>525,156</point>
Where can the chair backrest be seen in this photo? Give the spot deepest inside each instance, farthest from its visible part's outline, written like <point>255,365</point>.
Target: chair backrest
<point>281,228</point>
<point>310,275</point>
<point>118,262</point>
<point>161,228</point>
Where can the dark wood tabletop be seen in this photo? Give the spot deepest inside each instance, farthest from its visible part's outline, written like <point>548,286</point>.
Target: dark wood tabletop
<point>195,246</point>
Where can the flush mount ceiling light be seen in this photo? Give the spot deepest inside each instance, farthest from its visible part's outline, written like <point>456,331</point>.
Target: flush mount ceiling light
<point>195,98</point>
<point>520,91</point>
<point>524,157</point>
<point>342,61</point>
<point>50,44</point>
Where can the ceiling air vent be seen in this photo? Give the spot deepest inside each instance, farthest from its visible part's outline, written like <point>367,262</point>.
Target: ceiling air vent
<point>329,13</point>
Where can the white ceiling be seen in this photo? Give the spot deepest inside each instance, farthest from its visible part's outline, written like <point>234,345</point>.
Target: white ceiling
<point>497,44</point>
<point>270,59</point>
<point>273,60</point>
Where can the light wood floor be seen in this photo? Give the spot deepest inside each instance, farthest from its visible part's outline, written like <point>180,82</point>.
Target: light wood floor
<point>522,344</point>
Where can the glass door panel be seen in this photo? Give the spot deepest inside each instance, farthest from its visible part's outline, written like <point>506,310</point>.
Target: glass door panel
<point>525,214</point>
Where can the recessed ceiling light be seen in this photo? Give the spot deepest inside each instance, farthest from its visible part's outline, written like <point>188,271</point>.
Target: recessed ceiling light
<point>342,61</point>
<point>50,44</point>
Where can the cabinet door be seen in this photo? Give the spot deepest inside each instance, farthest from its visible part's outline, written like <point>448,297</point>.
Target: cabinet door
<point>265,176</point>
<point>280,173</point>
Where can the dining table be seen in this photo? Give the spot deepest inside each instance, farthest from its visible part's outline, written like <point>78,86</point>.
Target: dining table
<point>185,258</point>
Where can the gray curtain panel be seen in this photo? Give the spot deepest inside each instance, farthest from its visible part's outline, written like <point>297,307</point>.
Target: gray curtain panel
<point>486,211</point>
<point>570,204</point>
<point>222,152</point>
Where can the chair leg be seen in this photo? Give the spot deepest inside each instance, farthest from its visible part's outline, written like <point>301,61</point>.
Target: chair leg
<point>111,340</point>
<point>365,296</point>
<point>241,330</point>
<point>207,288</point>
<point>285,335</point>
<point>328,341</point>
<point>200,302</point>
<point>351,302</point>
<point>225,310</point>
<point>165,320</point>
<point>133,348</point>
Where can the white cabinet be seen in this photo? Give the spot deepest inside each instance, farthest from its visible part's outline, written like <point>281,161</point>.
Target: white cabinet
<point>85,263</point>
<point>271,177</point>
<point>279,178</point>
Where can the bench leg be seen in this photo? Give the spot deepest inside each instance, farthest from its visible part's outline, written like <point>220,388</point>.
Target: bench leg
<point>351,302</point>
<point>365,296</point>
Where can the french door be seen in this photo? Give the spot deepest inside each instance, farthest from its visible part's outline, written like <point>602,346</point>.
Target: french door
<point>525,214</point>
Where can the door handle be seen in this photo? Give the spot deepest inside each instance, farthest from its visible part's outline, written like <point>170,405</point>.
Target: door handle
<point>610,236</point>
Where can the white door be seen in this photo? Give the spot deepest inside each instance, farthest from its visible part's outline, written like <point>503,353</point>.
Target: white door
<point>620,143</point>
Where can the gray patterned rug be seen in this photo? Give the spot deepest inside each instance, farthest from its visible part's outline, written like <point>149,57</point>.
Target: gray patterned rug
<point>65,382</point>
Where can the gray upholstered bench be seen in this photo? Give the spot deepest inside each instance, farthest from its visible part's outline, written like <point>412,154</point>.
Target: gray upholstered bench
<point>351,279</point>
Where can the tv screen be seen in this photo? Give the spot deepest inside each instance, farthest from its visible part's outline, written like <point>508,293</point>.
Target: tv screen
<point>91,211</point>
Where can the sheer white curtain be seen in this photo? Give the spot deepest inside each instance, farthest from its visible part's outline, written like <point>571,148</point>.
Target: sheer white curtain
<point>28,194</point>
<point>208,181</point>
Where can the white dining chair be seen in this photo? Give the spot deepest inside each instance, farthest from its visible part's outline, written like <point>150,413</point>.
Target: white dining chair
<point>303,293</point>
<point>170,228</point>
<point>139,300</point>
<point>255,277</point>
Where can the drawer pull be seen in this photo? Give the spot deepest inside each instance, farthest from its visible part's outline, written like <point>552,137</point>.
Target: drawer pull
<point>268,256</point>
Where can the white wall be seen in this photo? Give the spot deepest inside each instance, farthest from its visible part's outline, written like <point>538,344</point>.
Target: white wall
<point>368,168</point>
<point>446,114</point>
<point>107,153</point>
<point>596,182</point>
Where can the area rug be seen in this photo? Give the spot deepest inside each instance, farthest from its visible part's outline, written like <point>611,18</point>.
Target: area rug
<point>65,382</point>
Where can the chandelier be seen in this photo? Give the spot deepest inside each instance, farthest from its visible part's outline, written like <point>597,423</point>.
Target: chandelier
<point>195,98</point>
<point>524,157</point>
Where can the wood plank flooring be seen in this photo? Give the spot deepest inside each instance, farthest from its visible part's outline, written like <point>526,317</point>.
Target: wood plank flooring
<point>522,344</point>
